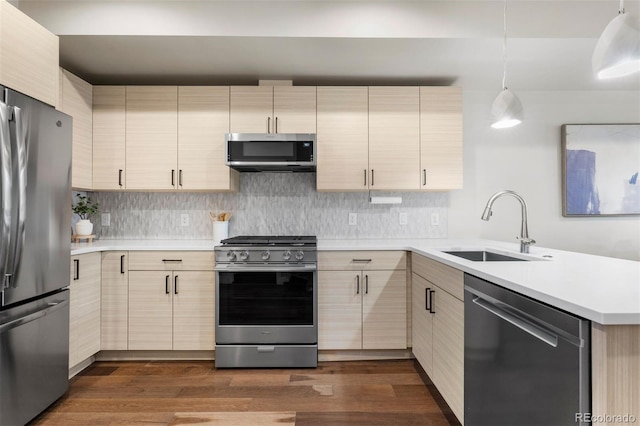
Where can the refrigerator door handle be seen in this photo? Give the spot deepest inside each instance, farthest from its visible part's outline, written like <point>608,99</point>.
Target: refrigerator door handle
<point>19,158</point>
<point>6,113</point>
<point>52,307</point>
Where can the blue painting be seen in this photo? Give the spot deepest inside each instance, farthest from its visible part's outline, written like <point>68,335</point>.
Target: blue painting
<point>601,163</point>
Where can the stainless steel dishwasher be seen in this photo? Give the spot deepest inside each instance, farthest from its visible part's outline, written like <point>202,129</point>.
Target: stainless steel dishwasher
<point>525,363</point>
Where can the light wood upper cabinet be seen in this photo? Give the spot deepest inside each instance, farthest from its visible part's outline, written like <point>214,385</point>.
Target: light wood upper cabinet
<point>152,137</point>
<point>109,141</point>
<point>394,138</point>
<point>77,101</point>
<point>115,299</point>
<point>29,56</point>
<point>343,138</point>
<point>272,109</point>
<point>84,307</point>
<point>203,119</point>
<point>441,138</point>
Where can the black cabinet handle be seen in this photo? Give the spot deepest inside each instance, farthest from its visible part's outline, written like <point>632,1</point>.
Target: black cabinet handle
<point>357,284</point>
<point>426,299</point>
<point>120,177</point>
<point>175,285</point>
<point>172,260</point>
<point>166,284</point>
<point>268,124</point>
<point>424,177</point>
<point>76,266</point>
<point>180,177</point>
<point>431,294</point>
<point>173,177</point>
<point>365,177</point>
<point>372,175</point>
<point>276,125</point>
<point>366,284</point>
<point>122,264</point>
<point>361,260</point>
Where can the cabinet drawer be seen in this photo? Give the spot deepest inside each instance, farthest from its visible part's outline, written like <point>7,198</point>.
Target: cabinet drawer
<point>171,260</point>
<point>449,279</point>
<point>361,260</point>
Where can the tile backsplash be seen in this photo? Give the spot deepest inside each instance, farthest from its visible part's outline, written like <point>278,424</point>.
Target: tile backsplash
<point>270,204</point>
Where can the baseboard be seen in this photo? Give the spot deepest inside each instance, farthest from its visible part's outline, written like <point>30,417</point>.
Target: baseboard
<point>155,355</point>
<point>81,366</point>
<point>364,355</point>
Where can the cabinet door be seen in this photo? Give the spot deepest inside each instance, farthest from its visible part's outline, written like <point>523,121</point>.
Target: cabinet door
<point>421,323</point>
<point>150,310</point>
<point>251,109</point>
<point>339,310</point>
<point>77,101</point>
<point>115,298</point>
<point>394,138</point>
<point>193,310</point>
<point>384,310</point>
<point>28,56</point>
<point>152,137</point>
<point>440,138</point>
<point>448,349</point>
<point>84,308</point>
<point>203,119</point>
<point>343,139</point>
<point>109,137</point>
<point>294,109</point>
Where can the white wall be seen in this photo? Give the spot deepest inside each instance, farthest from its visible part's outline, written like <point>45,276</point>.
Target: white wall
<point>527,159</point>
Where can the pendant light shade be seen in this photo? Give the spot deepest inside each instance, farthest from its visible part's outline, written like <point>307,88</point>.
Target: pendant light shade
<point>617,52</point>
<point>506,110</point>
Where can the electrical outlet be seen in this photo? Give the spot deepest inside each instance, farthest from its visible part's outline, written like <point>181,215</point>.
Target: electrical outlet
<point>435,219</point>
<point>184,219</point>
<point>105,219</point>
<point>403,219</point>
<point>353,219</point>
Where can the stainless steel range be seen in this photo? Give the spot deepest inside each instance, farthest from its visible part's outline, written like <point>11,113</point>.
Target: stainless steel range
<point>266,302</point>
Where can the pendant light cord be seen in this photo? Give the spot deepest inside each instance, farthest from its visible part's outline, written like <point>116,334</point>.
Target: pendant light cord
<point>504,46</point>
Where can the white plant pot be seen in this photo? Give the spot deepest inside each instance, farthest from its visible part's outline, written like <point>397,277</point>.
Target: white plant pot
<point>84,227</point>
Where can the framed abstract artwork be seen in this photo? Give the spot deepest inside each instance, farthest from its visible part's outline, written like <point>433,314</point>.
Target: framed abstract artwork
<point>600,166</point>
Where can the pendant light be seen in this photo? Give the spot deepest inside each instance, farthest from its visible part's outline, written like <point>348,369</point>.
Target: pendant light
<point>506,110</point>
<point>617,52</point>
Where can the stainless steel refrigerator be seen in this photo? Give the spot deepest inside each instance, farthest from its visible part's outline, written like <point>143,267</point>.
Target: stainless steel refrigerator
<point>35,201</point>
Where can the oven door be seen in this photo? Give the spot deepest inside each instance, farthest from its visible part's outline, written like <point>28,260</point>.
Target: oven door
<point>266,305</point>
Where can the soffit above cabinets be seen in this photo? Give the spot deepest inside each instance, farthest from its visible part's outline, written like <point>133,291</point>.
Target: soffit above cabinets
<point>331,42</point>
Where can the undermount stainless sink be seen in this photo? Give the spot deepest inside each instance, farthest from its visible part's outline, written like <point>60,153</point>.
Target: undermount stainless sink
<point>484,256</point>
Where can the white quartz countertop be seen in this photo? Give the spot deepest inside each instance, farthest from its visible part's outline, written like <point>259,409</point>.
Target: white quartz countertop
<point>602,289</point>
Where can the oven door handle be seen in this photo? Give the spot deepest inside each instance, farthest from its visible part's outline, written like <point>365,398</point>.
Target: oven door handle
<point>264,268</point>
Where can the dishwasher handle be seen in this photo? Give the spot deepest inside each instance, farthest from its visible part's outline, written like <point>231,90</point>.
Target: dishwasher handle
<point>50,308</point>
<point>536,331</point>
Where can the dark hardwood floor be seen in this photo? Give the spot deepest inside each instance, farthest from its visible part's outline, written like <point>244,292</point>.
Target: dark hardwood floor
<point>194,393</point>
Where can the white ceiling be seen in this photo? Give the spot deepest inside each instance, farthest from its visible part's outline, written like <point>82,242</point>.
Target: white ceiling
<point>550,43</point>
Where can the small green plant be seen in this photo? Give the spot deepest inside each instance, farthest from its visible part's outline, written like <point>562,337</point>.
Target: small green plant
<point>85,207</point>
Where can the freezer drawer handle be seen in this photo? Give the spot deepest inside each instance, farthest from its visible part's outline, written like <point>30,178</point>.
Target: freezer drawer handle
<point>265,349</point>
<point>52,307</point>
<point>524,325</point>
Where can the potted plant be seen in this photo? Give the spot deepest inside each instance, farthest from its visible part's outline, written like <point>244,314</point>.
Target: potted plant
<point>84,208</point>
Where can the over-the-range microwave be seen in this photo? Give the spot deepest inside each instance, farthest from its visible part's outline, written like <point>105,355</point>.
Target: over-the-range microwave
<point>271,152</point>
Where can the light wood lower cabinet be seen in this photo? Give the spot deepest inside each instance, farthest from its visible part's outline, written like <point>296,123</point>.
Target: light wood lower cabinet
<point>438,327</point>
<point>84,307</point>
<point>361,308</point>
<point>171,309</point>
<point>115,299</point>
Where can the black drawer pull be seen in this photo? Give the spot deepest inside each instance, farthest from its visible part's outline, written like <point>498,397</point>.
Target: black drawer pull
<point>122,264</point>
<point>172,260</point>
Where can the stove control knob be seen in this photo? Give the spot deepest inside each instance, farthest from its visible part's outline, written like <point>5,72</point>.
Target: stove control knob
<point>299,255</point>
<point>266,255</point>
<point>231,255</point>
<point>244,255</point>
<point>286,255</point>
